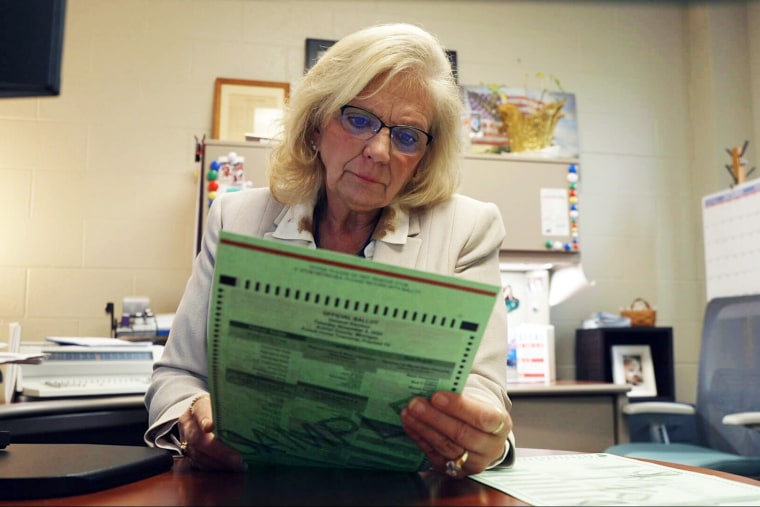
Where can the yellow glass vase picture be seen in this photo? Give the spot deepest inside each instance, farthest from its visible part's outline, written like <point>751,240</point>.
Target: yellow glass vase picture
<point>517,120</point>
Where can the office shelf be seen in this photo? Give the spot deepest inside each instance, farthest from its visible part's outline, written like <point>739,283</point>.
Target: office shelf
<point>593,356</point>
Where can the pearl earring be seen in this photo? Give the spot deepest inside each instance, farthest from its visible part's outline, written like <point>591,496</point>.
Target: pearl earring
<point>313,146</point>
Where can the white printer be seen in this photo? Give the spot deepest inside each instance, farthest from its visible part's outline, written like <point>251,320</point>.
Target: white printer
<point>88,367</point>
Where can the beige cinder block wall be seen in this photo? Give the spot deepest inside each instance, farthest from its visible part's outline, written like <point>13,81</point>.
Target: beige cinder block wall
<point>100,182</point>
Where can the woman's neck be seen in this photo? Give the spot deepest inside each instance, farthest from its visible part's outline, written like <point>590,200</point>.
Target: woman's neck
<point>349,233</point>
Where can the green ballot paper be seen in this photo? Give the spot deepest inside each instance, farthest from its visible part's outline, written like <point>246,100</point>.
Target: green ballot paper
<point>313,354</point>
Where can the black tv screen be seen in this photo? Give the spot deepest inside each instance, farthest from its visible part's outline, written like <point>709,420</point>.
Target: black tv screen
<point>31,47</point>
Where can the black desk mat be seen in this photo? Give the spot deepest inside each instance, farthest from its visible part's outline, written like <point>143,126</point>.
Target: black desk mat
<point>30,471</point>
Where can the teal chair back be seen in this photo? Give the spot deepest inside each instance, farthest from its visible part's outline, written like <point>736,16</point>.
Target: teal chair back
<point>728,382</point>
<point>729,373</point>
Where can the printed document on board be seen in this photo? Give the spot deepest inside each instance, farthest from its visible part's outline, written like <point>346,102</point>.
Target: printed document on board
<point>313,354</point>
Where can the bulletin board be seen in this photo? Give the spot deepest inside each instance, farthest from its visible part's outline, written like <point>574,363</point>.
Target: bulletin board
<point>731,221</point>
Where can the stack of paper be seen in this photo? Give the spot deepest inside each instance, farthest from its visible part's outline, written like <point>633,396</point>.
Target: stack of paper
<point>96,341</point>
<point>10,361</point>
<point>607,479</point>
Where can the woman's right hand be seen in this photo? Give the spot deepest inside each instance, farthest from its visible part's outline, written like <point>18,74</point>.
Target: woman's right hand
<point>199,443</point>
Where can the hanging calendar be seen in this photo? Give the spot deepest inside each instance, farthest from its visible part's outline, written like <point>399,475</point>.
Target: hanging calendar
<point>731,221</point>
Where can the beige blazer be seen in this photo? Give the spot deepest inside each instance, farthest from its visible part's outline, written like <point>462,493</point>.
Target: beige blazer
<point>460,237</point>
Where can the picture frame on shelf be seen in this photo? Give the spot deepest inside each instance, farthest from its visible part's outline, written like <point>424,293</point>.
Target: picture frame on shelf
<point>632,365</point>
<point>246,109</point>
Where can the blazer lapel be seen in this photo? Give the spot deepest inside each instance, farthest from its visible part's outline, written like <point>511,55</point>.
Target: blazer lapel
<point>404,255</point>
<point>401,250</point>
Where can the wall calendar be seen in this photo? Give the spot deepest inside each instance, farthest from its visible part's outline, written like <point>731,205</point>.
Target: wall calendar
<point>731,221</point>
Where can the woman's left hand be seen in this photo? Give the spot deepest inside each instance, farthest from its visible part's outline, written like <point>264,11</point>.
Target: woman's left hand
<point>199,443</point>
<point>463,430</point>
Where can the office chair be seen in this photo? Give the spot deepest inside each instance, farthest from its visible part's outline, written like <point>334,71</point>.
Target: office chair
<point>721,431</point>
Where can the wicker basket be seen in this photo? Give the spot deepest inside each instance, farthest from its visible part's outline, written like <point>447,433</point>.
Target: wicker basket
<point>640,312</point>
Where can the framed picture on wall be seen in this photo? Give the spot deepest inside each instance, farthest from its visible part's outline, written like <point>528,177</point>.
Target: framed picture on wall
<point>245,109</point>
<point>453,60</point>
<point>501,119</point>
<point>315,48</point>
<point>632,365</point>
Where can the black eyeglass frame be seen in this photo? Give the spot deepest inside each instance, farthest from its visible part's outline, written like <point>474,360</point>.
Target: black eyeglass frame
<point>390,128</point>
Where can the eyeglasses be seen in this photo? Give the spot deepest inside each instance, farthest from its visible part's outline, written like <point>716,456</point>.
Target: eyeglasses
<point>365,125</point>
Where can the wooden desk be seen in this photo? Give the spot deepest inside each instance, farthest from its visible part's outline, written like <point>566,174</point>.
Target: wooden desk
<point>312,486</point>
<point>574,415</point>
<point>582,416</point>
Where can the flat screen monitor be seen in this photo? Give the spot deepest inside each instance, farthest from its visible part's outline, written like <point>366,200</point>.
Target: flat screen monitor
<point>31,47</point>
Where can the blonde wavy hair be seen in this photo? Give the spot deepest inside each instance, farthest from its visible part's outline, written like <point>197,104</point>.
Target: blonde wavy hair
<point>376,54</point>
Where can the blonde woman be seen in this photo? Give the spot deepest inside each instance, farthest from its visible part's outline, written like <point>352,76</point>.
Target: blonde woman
<point>368,165</point>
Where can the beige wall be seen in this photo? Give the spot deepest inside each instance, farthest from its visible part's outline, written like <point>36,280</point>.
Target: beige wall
<point>99,183</point>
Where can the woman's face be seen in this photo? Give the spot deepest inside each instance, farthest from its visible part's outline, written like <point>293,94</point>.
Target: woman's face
<point>364,175</point>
